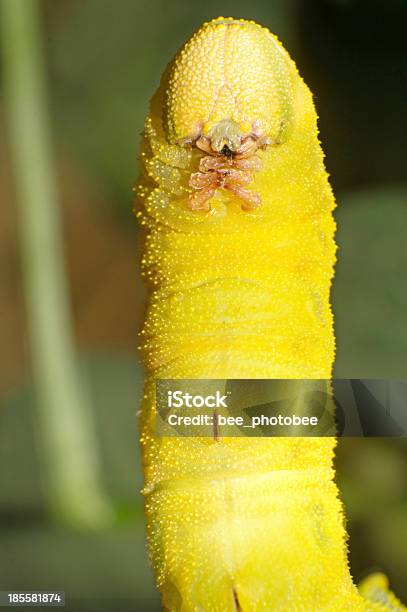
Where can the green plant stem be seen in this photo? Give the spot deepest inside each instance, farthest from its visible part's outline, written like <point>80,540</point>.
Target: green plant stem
<point>67,440</point>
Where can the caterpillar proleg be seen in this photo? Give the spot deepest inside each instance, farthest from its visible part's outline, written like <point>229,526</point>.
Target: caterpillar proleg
<point>239,256</point>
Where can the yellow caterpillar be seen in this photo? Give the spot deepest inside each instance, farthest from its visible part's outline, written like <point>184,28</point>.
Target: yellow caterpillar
<point>239,254</point>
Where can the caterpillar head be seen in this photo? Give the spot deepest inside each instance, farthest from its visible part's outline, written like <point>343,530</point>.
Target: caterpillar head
<point>229,92</point>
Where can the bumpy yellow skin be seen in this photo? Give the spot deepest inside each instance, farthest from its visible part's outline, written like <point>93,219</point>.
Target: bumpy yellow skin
<point>240,523</point>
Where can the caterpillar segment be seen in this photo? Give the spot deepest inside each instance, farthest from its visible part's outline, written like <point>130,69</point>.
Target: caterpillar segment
<point>239,256</point>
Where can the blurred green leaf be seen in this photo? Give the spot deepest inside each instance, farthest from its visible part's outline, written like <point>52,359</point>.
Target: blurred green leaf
<point>369,290</point>
<point>102,572</point>
<point>115,383</point>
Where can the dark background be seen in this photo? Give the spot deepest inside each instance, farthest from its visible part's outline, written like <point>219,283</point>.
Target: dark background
<point>103,60</point>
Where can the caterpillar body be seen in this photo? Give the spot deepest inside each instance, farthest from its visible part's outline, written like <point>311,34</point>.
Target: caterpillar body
<point>239,255</point>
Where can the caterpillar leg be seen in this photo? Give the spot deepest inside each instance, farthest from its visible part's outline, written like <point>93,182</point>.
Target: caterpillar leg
<point>250,199</point>
<point>218,173</point>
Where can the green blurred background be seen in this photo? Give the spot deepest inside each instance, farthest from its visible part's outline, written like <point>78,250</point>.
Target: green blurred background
<point>102,61</point>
